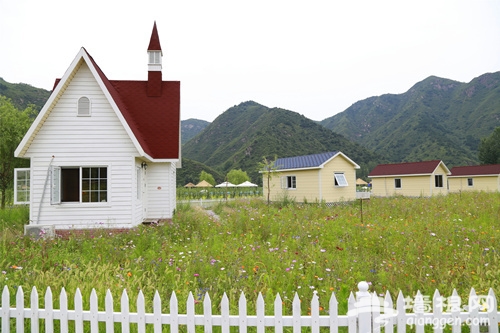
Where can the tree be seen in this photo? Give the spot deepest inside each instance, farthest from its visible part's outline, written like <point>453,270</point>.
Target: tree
<point>489,148</point>
<point>13,126</point>
<point>269,170</point>
<point>237,176</point>
<point>207,177</point>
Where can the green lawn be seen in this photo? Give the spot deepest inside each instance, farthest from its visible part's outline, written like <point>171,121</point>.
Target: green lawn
<point>405,244</point>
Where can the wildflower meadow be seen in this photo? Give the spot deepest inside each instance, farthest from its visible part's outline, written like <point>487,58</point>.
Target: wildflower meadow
<point>245,246</point>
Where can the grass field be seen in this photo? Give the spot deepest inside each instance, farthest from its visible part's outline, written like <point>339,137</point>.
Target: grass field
<point>405,244</point>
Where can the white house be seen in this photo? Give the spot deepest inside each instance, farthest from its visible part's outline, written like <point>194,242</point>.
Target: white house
<point>103,153</point>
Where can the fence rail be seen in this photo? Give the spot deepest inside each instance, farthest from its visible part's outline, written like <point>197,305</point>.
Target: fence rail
<point>366,313</point>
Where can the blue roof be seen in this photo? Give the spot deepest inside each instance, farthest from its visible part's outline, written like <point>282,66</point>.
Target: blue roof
<point>307,161</point>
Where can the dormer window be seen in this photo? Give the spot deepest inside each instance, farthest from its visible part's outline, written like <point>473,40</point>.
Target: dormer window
<point>155,57</point>
<point>84,107</point>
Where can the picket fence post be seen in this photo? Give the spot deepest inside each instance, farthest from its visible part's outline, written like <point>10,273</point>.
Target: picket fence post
<point>94,312</point>
<point>363,308</point>
<point>4,310</point>
<point>49,311</point>
<point>35,327</point>
<point>242,311</point>
<point>108,307</point>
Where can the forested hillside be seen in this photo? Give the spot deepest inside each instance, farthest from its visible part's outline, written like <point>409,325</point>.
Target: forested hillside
<point>22,94</point>
<point>436,119</point>
<point>241,136</point>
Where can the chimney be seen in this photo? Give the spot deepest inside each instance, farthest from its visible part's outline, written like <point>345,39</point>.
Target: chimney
<point>154,64</point>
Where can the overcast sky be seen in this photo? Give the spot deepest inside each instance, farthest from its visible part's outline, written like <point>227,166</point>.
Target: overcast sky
<point>313,57</point>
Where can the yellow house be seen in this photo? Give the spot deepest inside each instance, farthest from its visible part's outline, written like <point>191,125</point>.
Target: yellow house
<point>326,177</point>
<point>475,178</point>
<point>414,179</point>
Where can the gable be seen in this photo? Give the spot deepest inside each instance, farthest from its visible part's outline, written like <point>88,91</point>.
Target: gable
<point>151,123</point>
<point>442,169</point>
<point>66,133</point>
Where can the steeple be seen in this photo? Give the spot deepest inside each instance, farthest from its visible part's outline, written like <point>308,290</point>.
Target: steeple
<point>154,64</point>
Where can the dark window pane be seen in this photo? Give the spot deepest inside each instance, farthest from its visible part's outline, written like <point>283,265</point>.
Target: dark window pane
<point>85,173</point>
<point>70,185</point>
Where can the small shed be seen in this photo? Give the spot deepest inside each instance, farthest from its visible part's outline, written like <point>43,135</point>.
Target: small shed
<point>475,178</point>
<point>413,179</point>
<point>325,177</point>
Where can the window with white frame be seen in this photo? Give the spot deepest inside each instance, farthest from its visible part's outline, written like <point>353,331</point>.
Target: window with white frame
<point>79,184</point>
<point>397,183</point>
<point>438,180</point>
<point>340,179</point>
<point>470,182</point>
<point>288,182</point>
<point>21,186</point>
<point>155,57</point>
<point>84,106</point>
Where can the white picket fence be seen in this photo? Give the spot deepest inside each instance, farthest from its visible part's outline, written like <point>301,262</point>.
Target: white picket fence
<point>366,313</point>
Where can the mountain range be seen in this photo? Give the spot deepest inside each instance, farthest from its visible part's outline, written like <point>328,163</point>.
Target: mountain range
<point>241,136</point>
<point>436,118</point>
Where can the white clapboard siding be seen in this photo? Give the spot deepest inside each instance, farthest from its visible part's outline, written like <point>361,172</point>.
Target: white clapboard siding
<point>98,140</point>
<point>366,313</point>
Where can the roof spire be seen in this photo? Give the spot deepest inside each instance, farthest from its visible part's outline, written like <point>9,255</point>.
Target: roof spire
<point>154,64</point>
<point>154,42</point>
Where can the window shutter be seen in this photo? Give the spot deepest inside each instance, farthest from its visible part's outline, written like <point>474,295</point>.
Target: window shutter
<point>55,186</point>
<point>283,181</point>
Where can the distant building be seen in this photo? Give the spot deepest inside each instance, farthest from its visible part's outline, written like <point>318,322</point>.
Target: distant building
<point>475,178</point>
<point>414,179</point>
<point>326,177</point>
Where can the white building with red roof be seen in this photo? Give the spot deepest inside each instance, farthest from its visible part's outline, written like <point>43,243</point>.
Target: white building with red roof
<point>475,178</point>
<point>103,153</point>
<point>414,179</point>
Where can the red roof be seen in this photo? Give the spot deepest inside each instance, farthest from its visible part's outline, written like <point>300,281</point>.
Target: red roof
<point>476,170</point>
<point>155,121</point>
<point>409,168</point>
<point>154,43</point>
